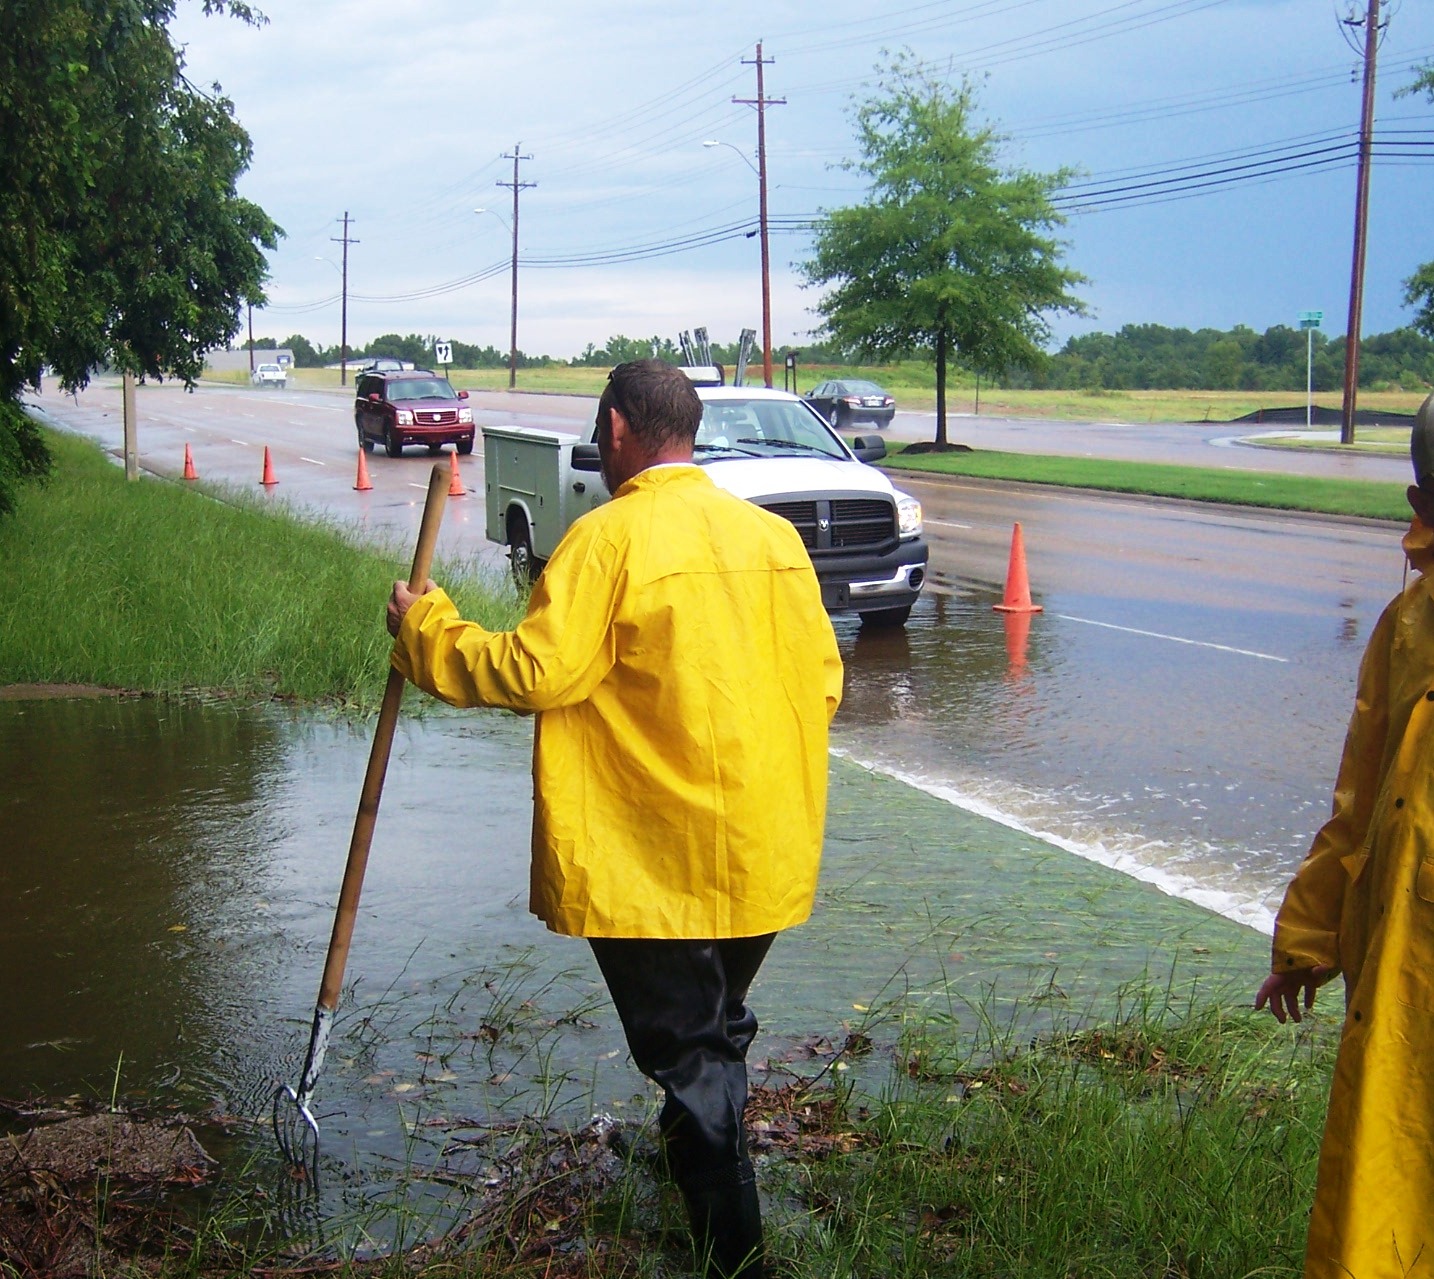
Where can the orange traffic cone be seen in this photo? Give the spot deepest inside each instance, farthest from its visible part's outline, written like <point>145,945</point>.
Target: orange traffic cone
<point>269,476</point>
<point>189,472</point>
<point>1018,587</point>
<point>455,484</point>
<point>362,484</point>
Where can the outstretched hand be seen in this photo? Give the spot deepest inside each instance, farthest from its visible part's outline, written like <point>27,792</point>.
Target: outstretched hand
<point>400,600</point>
<point>1282,991</point>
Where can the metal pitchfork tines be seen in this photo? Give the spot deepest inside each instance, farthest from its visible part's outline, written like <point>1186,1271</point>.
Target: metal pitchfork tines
<point>295,1129</point>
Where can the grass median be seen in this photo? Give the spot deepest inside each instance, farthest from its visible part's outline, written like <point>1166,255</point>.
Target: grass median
<point>159,587</point>
<point>1372,499</point>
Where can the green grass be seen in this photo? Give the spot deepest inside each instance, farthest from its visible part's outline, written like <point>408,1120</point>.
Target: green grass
<point>159,587</point>
<point>1177,1139</point>
<point>1370,498</point>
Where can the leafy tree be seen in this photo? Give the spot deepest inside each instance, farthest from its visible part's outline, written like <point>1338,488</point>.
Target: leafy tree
<point>123,242</point>
<point>1419,292</point>
<point>306,355</point>
<point>951,256</point>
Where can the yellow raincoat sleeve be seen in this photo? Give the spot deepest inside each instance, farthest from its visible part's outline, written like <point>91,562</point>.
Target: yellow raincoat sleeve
<point>555,657</point>
<point>1307,926</point>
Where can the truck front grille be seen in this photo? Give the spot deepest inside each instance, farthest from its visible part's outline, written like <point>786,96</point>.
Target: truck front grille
<point>839,524</point>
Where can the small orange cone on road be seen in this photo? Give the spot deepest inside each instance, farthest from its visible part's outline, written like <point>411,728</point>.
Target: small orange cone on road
<point>269,476</point>
<point>362,484</point>
<point>455,484</point>
<point>1018,587</point>
<point>189,472</point>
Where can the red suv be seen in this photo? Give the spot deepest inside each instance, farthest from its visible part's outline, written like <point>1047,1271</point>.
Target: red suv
<point>411,407</point>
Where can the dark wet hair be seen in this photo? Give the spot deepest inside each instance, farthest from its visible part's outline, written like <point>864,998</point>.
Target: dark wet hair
<point>657,399</point>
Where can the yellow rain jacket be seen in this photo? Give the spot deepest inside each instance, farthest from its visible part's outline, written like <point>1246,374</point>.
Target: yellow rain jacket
<point>1362,902</point>
<point>684,673</point>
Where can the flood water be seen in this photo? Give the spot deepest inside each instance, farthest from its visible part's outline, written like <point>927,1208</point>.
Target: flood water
<point>171,867</point>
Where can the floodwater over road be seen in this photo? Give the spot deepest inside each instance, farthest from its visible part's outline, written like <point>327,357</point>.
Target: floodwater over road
<point>170,871</point>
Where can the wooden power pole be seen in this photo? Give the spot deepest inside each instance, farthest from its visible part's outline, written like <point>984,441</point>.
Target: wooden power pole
<point>345,240</point>
<point>513,326</point>
<point>762,102</point>
<point>1361,226</point>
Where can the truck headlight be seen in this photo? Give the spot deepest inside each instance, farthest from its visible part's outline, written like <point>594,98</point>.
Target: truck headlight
<point>908,515</point>
<point>403,417</point>
<point>465,417</point>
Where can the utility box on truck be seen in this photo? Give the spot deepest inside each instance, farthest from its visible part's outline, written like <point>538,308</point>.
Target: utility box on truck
<point>532,492</point>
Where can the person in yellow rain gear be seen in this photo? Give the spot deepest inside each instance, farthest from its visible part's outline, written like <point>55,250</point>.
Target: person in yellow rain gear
<point>683,673</point>
<point>1362,903</point>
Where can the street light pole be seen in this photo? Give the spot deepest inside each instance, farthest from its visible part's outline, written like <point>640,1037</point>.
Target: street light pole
<point>762,102</point>
<point>513,330</point>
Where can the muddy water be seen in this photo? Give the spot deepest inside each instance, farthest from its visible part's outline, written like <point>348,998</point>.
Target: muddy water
<point>169,873</point>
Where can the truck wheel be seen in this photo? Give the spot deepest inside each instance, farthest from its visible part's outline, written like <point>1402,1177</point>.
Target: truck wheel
<point>526,566</point>
<point>391,444</point>
<point>886,618</point>
<point>465,447</point>
<point>365,443</point>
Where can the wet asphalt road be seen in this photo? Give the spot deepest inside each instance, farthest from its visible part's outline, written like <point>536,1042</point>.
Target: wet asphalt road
<point>1176,710</point>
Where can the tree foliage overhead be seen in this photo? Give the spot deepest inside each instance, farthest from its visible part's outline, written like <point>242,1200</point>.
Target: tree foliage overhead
<point>952,255</point>
<point>123,241</point>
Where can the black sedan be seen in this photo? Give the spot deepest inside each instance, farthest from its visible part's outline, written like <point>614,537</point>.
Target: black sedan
<point>848,401</point>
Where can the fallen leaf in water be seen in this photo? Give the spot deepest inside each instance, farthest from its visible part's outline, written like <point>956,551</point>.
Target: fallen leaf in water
<point>404,1087</point>
<point>179,928</point>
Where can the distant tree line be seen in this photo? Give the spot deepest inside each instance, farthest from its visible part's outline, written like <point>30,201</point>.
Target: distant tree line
<point>1154,357</point>
<point>413,347</point>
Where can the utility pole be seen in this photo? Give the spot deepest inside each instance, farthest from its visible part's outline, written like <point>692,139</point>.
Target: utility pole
<point>345,240</point>
<point>762,102</point>
<point>513,329</point>
<point>1361,224</point>
<point>250,305</point>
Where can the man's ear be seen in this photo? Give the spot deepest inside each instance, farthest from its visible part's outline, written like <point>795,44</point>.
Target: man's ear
<point>618,429</point>
<point>1422,503</point>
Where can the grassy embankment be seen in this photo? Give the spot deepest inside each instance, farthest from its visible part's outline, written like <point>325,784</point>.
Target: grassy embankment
<point>1372,499</point>
<point>1171,1142</point>
<point>914,387</point>
<point>157,587</point>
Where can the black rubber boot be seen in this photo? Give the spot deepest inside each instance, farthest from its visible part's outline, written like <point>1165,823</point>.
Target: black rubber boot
<point>726,1218</point>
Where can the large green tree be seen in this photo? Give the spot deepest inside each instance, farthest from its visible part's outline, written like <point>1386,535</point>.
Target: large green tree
<point>1419,287</point>
<point>952,255</point>
<point>123,241</point>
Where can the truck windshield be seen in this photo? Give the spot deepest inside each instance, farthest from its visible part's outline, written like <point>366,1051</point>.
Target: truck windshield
<point>771,427</point>
<point>427,388</point>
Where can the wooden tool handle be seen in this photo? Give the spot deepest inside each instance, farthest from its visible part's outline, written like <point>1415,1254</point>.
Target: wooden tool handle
<point>372,792</point>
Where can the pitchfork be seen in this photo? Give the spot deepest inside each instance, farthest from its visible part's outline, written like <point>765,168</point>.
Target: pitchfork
<point>297,1132</point>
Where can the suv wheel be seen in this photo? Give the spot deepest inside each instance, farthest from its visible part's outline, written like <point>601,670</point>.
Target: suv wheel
<point>391,444</point>
<point>465,447</point>
<point>365,443</point>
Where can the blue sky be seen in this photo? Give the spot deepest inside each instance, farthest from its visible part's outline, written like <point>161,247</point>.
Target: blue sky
<point>402,123</point>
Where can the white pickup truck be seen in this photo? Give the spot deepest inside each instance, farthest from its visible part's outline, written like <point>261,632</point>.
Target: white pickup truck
<point>864,535</point>
<point>270,375</point>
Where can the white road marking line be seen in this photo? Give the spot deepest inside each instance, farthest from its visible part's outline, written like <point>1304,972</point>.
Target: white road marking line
<point>1176,639</point>
<point>314,460</point>
<point>947,524</point>
<point>245,443</point>
<point>412,485</point>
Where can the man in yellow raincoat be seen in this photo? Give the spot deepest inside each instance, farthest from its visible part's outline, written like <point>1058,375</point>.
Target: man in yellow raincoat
<point>1362,903</point>
<point>683,673</point>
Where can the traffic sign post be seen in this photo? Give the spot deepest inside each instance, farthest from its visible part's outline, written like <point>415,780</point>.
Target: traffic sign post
<point>1310,321</point>
<point>443,352</point>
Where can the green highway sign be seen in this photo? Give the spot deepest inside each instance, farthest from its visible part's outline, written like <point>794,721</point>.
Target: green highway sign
<point>1311,319</point>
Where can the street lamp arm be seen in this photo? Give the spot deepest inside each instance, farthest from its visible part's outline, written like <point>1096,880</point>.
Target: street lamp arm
<point>497,215</point>
<point>713,142</point>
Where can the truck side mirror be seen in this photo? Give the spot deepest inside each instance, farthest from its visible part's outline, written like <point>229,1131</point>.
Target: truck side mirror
<point>585,458</point>
<point>868,448</point>
<point>374,397</point>
<point>462,395</point>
